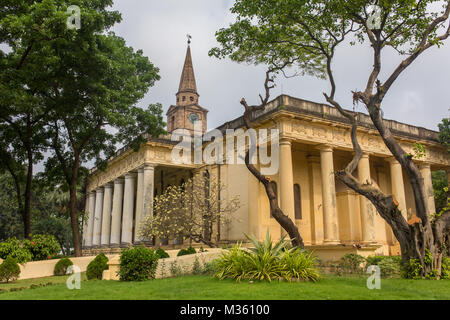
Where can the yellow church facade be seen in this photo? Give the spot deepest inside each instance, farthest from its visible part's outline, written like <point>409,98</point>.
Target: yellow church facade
<point>314,142</point>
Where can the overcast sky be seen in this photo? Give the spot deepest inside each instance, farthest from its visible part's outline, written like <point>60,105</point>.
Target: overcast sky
<point>419,97</point>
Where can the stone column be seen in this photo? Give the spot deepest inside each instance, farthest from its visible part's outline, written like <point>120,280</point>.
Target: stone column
<point>330,218</point>
<point>139,203</point>
<point>116,219</point>
<point>85,221</point>
<point>148,186</point>
<point>286,181</point>
<point>90,222</point>
<point>128,210</point>
<point>106,220</point>
<point>398,188</point>
<point>316,200</point>
<point>367,209</point>
<point>98,217</point>
<point>425,170</point>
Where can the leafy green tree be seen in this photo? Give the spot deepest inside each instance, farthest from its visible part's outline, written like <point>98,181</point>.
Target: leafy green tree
<point>304,35</point>
<point>444,133</point>
<point>11,224</point>
<point>440,184</point>
<point>83,84</point>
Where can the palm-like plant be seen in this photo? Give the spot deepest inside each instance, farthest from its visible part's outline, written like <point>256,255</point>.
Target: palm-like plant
<point>266,261</point>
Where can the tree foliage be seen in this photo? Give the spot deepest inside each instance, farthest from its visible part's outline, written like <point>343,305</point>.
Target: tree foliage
<point>303,35</point>
<point>71,92</point>
<point>193,211</point>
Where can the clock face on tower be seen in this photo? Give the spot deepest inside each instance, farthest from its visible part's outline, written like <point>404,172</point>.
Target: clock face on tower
<point>193,117</point>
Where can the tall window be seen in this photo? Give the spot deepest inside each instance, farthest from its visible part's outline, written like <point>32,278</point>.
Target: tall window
<point>275,189</point>
<point>297,202</point>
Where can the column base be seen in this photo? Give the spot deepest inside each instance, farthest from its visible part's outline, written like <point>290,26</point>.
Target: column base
<point>114,245</point>
<point>331,242</point>
<point>125,245</point>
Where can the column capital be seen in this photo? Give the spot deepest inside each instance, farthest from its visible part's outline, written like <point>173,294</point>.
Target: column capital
<point>99,190</point>
<point>424,165</point>
<point>392,160</point>
<point>365,154</point>
<point>285,141</point>
<point>119,180</point>
<point>109,185</point>
<point>130,175</point>
<point>149,166</point>
<point>325,148</point>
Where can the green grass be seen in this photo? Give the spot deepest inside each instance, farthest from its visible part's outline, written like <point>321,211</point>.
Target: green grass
<point>203,287</point>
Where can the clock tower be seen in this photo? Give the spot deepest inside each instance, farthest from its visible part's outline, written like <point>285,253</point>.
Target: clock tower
<point>187,111</point>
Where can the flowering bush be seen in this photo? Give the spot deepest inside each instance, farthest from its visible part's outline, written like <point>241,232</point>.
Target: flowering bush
<point>42,246</point>
<point>15,249</point>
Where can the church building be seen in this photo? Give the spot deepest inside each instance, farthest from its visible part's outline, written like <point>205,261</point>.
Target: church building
<point>314,141</point>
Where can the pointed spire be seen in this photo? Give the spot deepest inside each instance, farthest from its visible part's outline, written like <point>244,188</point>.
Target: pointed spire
<point>187,81</point>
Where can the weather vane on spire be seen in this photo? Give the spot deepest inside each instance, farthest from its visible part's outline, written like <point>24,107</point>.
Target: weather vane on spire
<point>189,38</point>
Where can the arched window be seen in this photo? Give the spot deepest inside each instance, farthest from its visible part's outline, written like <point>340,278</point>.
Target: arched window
<point>184,98</point>
<point>297,202</point>
<point>275,189</point>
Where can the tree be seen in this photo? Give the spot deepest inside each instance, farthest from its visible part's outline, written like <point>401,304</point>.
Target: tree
<point>11,224</point>
<point>84,83</point>
<point>444,133</point>
<point>304,35</point>
<point>190,211</point>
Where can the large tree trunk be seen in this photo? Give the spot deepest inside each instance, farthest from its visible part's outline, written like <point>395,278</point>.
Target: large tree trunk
<point>73,208</point>
<point>285,222</point>
<point>27,201</point>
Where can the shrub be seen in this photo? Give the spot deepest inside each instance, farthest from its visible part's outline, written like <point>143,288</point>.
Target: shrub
<point>412,270</point>
<point>62,266</point>
<point>15,249</point>
<point>42,246</point>
<point>162,254</point>
<point>9,270</point>
<point>299,264</point>
<point>209,268</point>
<point>445,271</point>
<point>138,264</point>
<point>390,266</point>
<point>96,267</point>
<point>187,251</point>
<point>266,261</point>
<point>351,263</point>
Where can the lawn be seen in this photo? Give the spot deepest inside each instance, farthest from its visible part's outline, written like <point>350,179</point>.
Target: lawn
<point>203,287</point>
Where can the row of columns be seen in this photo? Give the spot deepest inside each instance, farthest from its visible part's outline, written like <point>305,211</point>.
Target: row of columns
<point>330,216</point>
<point>117,208</point>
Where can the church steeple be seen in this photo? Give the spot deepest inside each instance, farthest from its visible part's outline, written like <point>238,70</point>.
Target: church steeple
<point>187,81</point>
<point>187,111</point>
<point>187,91</point>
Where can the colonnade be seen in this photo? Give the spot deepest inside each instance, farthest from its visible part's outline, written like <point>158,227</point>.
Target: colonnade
<point>330,216</point>
<point>116,209</point>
